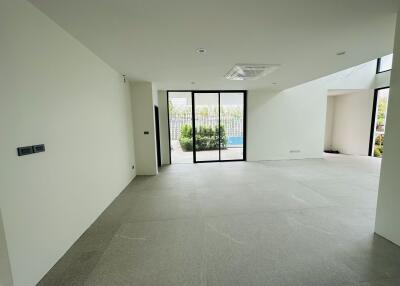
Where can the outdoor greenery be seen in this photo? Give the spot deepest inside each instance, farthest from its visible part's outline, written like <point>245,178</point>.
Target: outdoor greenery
<point>380,125</point>
<point>382,107</point>
<point>378,150</point>
<point>207,138</point>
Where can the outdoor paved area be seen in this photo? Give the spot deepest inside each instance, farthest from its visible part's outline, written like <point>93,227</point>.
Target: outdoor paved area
<point>180,156</point>
<point>278,223</point>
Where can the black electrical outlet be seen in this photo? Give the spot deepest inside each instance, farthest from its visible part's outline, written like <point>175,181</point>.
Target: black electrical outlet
<point>22,151</point>
<point>38,148</point>
<point>146,132</point>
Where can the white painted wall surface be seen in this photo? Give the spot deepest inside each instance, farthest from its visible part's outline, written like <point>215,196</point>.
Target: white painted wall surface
<point>5,269</point>
<point>143,119</point>
<point>291,124</point>
<point>154,94</point>
<point>164,132</point>
<point>388,210</point>
<point>55,91</point>
<point>330,113</point>
<point>351,122</point>
<point>286,125</point>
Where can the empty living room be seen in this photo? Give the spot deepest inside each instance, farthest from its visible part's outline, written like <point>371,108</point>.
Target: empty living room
<point>201,143</point>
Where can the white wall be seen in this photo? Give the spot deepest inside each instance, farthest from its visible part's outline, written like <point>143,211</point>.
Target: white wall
<point>285,125</point>
<point>330,113</point>
<point>350,123</point>
<point>143,119</point>
<point>291,124</point>
<point>164,135</point>
<point>5,270</point>
<point>54,91</point>
<point>154,94</point>
<point>388,210</point>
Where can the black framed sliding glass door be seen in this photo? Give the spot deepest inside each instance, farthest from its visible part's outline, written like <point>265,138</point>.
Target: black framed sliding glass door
<point>219,120</point>
<point>206,130</point>
<point>232,122</point>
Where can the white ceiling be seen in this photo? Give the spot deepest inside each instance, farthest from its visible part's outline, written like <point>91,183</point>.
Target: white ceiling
<point>155,40</point>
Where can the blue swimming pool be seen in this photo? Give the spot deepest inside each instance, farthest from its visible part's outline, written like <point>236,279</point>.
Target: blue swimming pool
<point>234,141</point>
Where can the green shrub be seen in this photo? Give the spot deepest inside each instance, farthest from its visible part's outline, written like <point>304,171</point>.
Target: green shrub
<point>186,131</point>
<point>224,138</point>
<point>186,143</point>
<point>378,150</point>
<point>207,138</point>
<point>203,143</point>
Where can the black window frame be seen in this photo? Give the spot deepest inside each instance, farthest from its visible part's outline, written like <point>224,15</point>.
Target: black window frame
<point>194,125</point>
<point>378,66</point>
<point>373,121</point>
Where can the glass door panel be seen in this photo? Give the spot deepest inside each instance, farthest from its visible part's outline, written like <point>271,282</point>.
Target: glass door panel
<point>180,127</point>
<point>206,114</point>
<point>380,121</point>
<point>232,125</point>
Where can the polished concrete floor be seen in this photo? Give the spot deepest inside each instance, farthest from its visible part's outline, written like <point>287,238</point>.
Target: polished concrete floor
<point>278,223</point>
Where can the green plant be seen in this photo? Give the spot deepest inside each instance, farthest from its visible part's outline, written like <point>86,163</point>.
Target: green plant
<point>186,143</point>
<point>379,139</point>
<point>382,107</point>
<point>185,140</point>
<point>186,131</point>
<point>207,138</point>
<point>378,150</point>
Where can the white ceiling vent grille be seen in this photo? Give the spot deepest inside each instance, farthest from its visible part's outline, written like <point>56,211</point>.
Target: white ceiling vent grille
<point>250,71</point>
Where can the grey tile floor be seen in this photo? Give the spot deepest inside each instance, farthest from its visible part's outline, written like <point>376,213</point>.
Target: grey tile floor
<point>299,222</point>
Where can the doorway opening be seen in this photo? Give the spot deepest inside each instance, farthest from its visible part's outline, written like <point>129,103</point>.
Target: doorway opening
<point>158,142</point>
<point>378,124</point>
<point>207,126</point>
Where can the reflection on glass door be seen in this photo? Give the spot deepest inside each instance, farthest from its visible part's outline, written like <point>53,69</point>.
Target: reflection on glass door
<point>207,134</point>
<point>232,125</point>
<point>382,98</point>
<point>180,127</point>
<point>219,125</point>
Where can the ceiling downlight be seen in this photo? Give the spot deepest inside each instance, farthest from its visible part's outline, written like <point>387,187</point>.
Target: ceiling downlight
<point>201,51</point>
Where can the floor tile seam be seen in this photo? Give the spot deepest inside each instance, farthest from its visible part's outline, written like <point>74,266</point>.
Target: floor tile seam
<point>289,210</point>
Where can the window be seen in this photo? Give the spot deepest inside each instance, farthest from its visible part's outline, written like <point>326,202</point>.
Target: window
<point>384,63</point>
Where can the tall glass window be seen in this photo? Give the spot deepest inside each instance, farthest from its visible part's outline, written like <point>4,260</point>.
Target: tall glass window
<point>385,63</point>
<point>382,99</point>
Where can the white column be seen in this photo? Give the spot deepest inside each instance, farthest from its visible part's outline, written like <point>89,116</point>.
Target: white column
<point>388,210</point>
<point>164,132</point>
<point>144,128</point>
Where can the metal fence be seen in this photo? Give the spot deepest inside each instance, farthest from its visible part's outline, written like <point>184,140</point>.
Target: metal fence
<point>233,124</point>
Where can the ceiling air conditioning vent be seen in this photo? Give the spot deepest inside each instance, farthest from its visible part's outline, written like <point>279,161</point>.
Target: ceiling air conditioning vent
<point>250,71</point>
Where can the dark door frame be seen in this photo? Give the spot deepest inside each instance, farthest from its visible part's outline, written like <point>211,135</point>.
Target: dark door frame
<point>219,111</point>
<point>157,122</point>
<point>373,121</point>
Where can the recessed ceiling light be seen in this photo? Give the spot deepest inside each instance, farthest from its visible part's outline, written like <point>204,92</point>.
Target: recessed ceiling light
<point>341,53</point>
<point>201,51</point>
